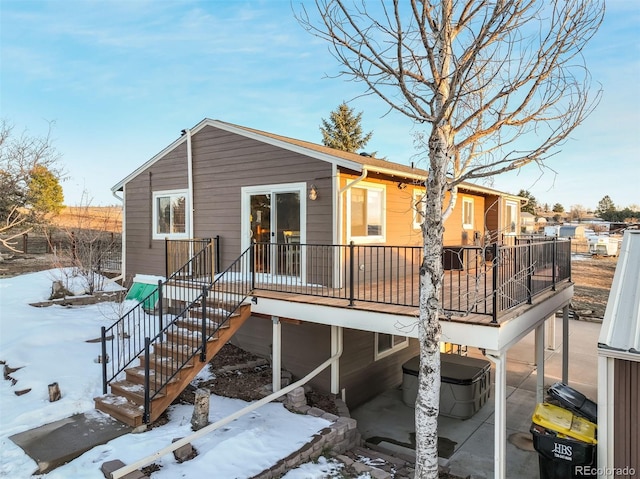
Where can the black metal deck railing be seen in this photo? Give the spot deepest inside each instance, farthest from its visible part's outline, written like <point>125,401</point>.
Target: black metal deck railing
<point>480,280</point>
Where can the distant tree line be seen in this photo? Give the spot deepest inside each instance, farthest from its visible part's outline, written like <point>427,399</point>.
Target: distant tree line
<point>607,211</point>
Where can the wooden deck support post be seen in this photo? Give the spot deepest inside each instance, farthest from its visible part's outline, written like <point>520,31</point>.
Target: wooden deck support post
<point>500,414</point>
<point>276,353</point>
<point>565,344</point>
<point>551,333</point>
<point>540,362</point>
<point>336,345</point>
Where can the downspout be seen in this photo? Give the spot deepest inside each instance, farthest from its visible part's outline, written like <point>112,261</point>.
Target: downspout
<point>364,174</point>
<point>123,471</point>
<point>190,181</point>
<point>123,246</point>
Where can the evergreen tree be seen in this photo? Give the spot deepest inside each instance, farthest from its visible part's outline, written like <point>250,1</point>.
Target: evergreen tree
<point>44,191</point>
<point>558,208</point>
<point>605,207</point>
<point>343,130</point>
<point>532,205</point>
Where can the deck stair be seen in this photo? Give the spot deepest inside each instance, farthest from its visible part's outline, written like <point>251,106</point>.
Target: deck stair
<point>158,347</point>
<point>126,400</point>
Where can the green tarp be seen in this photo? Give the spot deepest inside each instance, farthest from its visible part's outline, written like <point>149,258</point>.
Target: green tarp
<point>142,292</point>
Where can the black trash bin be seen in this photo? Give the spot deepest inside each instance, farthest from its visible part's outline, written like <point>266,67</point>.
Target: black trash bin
<point>574,401</point>
<point>565,442</point>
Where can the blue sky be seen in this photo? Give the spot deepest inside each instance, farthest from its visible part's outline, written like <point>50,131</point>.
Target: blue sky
<point>121,79</point>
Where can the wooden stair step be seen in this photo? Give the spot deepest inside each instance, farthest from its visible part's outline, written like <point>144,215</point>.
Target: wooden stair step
<point>133,392</point>
<point>136,375</point>
<point>185,336</point>
<point>175,350</point>
<point>120,408</point>
<point>166,363</point>
<point>194,323</point>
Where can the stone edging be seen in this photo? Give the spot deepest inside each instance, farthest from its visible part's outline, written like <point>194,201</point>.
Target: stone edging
<point>338,438</point>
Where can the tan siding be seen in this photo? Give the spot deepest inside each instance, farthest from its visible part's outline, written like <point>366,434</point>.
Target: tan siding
<point>398,210</point>
<point>626,421</point>
<point>491,214</point>
<point>400,228</point>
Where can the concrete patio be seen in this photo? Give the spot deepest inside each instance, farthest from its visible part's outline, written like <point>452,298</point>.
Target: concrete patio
<point>467,445</point>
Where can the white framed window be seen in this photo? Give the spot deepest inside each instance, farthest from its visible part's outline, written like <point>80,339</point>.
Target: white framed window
<point>170,214</point>
<point>418,208</point>
<point>511,215</point>
<point>467,213</point>
<point>365,213</point>
<point>387,344</point>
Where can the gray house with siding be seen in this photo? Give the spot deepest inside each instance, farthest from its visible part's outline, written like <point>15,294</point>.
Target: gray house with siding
<point>619,368</point>
<point>332,242</point>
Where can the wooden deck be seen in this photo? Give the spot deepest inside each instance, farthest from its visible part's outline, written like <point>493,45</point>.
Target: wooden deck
<point>407,311</point>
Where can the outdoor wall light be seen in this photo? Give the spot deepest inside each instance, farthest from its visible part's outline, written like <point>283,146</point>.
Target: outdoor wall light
<point>313,192</point>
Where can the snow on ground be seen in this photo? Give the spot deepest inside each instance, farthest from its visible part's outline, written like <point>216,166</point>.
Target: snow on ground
<point>50,345</point>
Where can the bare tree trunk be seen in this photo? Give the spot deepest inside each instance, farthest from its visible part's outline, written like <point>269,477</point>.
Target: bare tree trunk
<point>428,400</point>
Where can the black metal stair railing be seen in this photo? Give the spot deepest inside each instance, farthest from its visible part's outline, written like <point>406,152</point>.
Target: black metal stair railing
<point>124,341</point>
<point>210,310</point>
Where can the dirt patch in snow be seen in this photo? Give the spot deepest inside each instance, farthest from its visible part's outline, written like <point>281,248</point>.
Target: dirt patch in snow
<point>592,277</point>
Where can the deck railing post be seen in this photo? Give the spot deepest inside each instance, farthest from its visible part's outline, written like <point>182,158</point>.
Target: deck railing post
<point>216,251</point>
<point>147,382</point>
<point>494,281</point>
<point>252,264</point>
<point>351,273</point>
<point>530,268</point>
<point>160,326</point>
<point>203,331</point>
<point>554,255</point>
<point>568,261</point>
<point>166,257</point>
<point>103,337</point>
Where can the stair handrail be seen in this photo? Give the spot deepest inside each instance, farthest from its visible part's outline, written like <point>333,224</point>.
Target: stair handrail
<point>230,288</point>
<point>138,323</point>
<point>127,469</point>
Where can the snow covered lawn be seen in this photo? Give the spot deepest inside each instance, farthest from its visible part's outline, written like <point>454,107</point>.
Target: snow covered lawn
<point>51,345</point>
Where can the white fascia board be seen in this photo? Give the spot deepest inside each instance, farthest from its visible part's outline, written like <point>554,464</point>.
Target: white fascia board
<point>517,328</point>
<point>495,338</point>
<point>617,354</point>
<point>343,317</point>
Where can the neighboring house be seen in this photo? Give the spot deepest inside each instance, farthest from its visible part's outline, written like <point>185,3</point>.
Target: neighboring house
<point>328,246</point>
<point>619,368</point>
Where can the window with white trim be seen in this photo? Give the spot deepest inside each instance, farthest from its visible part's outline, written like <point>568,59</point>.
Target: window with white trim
<point>467,213</point>
<point>170,214</point>
<point>418,208</point>
<point>387,344</point>
<point>365,213</point>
